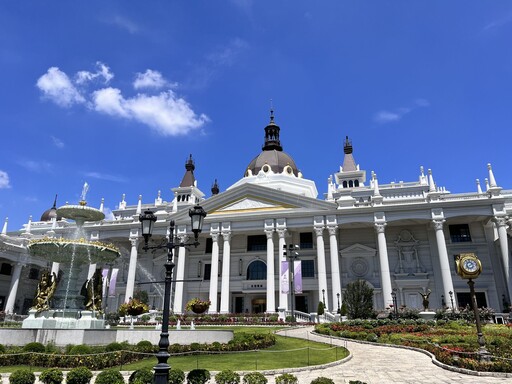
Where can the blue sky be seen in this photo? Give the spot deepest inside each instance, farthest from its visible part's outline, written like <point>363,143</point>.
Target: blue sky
<point>118,94</point>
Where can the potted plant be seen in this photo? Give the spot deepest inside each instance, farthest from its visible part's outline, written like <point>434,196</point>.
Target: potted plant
<point>133,307</point>
<point>197,305</point>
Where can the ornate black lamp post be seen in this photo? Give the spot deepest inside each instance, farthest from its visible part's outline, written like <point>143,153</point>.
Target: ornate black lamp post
<point>323,296</point>
<point>395,303</point>
<point>469,267</point>
<point>291,255</point>
<point>147,220</point>
<point>451,299</point>
<point>338,296</point>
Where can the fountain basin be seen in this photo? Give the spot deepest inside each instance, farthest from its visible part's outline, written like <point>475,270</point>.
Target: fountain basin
<point>60,250</point>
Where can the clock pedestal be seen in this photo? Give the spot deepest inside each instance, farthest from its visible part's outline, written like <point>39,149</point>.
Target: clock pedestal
<point>482,351</point>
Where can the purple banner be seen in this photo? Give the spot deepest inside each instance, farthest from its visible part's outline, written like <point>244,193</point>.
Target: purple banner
<point>285,281</point>
<point>113,280</point>
<point>104,275</point>
<point>297,276</point>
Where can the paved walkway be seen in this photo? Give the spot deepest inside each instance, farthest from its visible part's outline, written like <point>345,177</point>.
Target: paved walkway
<point>376,364</point>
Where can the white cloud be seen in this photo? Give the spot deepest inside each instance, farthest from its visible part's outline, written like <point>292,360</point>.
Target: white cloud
<point>104,176</point>
<point>110,101</point>
<point>57,142</point>
<point>102,72</point>
<point>498,23</point>
<point>150,79</point>
<point>4,180</point>
<point>36,166</point>
<point>227,55</point>
<point>124,23</point>
<point>165,113</point>
<point>383,117</point>
<point>57,87</point>
<point>109,216</point>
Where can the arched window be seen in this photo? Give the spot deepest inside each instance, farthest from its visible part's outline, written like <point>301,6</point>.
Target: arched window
<point>350,183</point>
<point>257,270</point>
<point>344,183</point>
<point>356,183</point>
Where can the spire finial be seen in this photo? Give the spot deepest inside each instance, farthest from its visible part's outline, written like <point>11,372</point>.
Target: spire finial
<point>431,184</point>
<point>4,229</point>
<point>55,202</point>
<point>271,112</point>
<point>478,186</point>
<point>492,180</point>
<point>215,188</point>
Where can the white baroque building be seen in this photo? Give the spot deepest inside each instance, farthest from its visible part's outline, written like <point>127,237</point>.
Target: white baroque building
<point>400,238</point>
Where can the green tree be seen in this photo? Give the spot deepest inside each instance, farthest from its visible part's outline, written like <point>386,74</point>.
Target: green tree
<point>142,296</point>
<point>359,299</point>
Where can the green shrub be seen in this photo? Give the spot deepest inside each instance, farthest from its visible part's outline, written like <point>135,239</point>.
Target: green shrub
<point>356,382</point>
<point>22,376</point>
<point>114,347</point>
<point>144,346</point>
<point>176,376</point>
<point>51,348</point>
<point>359,299</point>
<point>2,348</point>
<point>34,347</point>
<point>286,378</point>
<point>80,375</point>
<point>227,376</point>
<point>255,378</point>
<point>372,337</point>
<point>141,376</point>
<point>322,380</point>
<point>198,376</point>
<point>320,309</point>
<point>80,349</point>
<point>109,376</point>
<point>51,376</point>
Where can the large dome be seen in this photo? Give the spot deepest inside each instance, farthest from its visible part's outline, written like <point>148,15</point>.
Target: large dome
<point>277,161</point>
<point>272,158</point>
<point>51,213</point>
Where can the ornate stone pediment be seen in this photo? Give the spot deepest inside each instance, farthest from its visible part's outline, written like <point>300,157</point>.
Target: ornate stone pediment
<point>250,204</point>
<point>358,250</point>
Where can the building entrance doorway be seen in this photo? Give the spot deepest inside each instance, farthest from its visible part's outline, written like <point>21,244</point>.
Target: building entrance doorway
<point>258,305</point>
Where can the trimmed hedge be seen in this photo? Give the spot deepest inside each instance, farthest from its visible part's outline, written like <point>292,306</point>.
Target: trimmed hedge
<point>22,376</point>
<point>109,376</point>
<point>79,375</point>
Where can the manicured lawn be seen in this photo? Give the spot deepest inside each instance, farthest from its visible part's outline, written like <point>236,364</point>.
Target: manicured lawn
<point>286,353</point>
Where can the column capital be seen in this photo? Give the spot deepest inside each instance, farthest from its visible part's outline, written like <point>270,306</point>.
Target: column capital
<point>226,235</point>
<point>215,236</point>
<point>281,233</point>
<point>183,238</point>
<point>438,224</point>
<point>500,221</point>
<point>332,229</point>
<point>269,233</point>
<point>134,241</point>
<point>380,227</point>
<point>319,231</point>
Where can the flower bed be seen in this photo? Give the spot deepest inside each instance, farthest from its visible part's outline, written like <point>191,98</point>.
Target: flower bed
<point>453,343</point>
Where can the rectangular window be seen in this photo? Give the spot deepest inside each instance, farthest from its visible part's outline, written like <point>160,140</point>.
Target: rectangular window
<point>33,274</point>
<point>308,268</point>
<point>306,240</point>
<point>464,299</point>
<point>6,269</point>
<point>207,271</point>
<point>256,243</point>
<point>209,245</point>
<point>459,233</point>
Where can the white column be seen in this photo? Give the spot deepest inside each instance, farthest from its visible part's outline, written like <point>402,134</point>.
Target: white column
<point>335,267</point>
<point>226,263</point>
<point>501,224</point>
<point>13,290</point>
<point>283,297</point>
<point>55,268</point>
<point>385,276</point>
<point>271,278</point>
<point>180,275</point>
<point>322,273</point>
<point>446,274</point>
<point>214,274</point>
<point>132,268</point>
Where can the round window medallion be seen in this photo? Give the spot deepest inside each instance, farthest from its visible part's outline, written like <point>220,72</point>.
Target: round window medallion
<point>265,168</point>
<point>359,267</point>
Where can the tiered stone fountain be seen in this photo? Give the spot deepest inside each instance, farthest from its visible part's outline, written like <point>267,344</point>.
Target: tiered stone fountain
<point>66,309</point>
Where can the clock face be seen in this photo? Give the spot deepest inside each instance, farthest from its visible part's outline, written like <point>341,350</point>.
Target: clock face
<point>470,265</point>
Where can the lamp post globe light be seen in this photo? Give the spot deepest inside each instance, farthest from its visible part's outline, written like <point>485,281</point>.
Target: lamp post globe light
<point>292,254</point>
<point>147,220</point>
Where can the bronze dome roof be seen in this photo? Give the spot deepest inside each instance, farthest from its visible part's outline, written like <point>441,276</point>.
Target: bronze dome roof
<point>272,154</point>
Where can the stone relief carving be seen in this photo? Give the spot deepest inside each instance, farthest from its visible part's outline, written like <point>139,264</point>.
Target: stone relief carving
<point>408,259</point>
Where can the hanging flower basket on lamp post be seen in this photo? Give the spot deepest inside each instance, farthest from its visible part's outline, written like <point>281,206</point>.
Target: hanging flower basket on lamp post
<point>197,305</point>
